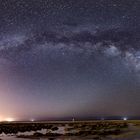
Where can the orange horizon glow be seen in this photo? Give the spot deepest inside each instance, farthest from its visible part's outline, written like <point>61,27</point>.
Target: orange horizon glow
<point>8,119</point>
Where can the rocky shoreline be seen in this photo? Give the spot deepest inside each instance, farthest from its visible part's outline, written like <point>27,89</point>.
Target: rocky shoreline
<point>73,130</point>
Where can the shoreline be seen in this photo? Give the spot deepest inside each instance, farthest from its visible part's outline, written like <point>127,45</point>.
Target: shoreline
<point>78,130</point>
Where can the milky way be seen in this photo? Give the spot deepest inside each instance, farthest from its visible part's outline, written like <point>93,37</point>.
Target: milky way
<point>62,59</point>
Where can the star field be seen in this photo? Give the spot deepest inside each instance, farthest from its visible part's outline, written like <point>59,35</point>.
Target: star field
<point>61,59</point>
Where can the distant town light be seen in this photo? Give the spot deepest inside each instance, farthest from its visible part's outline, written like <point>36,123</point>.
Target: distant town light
<point>9,119</point>
<point>125,119</point>
<point>32,120</point>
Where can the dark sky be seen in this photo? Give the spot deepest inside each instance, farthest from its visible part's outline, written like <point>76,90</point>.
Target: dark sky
<point>69,58</point>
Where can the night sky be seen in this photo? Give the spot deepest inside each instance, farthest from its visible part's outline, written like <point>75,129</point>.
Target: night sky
<point>69,58</point>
